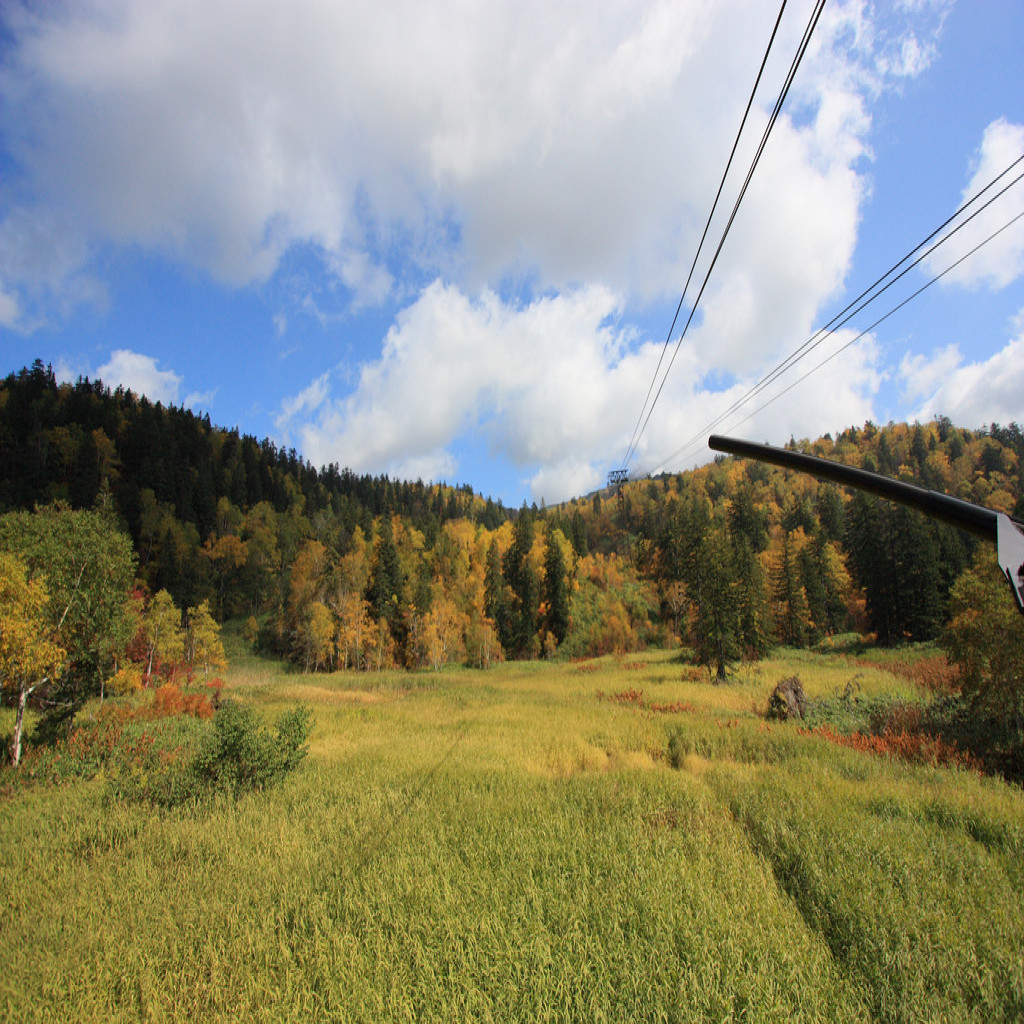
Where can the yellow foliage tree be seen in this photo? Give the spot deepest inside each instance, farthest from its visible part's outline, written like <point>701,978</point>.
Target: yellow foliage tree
<point>203,646</point>
<point>444,628</point>
<point>353,621</point>
<point>161,627</point>
<point>28,657</point>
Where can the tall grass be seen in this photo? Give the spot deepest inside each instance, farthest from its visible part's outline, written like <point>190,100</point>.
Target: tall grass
<point>513,845</point>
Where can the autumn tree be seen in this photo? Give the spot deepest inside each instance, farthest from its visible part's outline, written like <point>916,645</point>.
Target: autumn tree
<point>227,554</point>
<point>442,639</point>
<point>352,629</point>
<point>29,657</point>
<point>204,648</point>
<point>316,637</point>
<point>161,630</point>
<point>89,567</point>
<point>309,586</point>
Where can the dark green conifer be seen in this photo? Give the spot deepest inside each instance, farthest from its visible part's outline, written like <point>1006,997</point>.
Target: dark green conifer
<point>556,592</point>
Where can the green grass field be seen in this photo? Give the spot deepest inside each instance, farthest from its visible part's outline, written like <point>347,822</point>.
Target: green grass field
<point>515,845</point>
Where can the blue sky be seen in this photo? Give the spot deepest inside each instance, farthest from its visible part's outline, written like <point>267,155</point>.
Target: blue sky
<point>446,241</point>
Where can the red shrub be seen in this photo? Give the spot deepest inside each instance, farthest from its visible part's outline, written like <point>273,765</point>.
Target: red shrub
<point>932,675</point>
<point>917,747</point>
<point>169,700</point>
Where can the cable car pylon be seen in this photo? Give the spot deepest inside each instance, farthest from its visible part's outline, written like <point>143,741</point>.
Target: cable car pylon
<point>617,477</point>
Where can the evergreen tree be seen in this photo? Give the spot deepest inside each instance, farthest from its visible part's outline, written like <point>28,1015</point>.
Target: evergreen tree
<point>699,554</point>
<point>746,521</point>
<point>578,534</point>
<point>496,597</point>
<point>751,599</point>
<point>792,613</point>
<point>830,512</point>
<point>522,582</point>
<point>384,591</point>
<point>556,593</point>
<point>894,552</point>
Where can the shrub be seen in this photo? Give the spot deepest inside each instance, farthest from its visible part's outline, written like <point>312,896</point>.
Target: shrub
<point>145,748</point>
<point>932,674</point>
<point>916,747</point>
<point>169,700</point>
<point>127,679</point>
<point>240,755</point>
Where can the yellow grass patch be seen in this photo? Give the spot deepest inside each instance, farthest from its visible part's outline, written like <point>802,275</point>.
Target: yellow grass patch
<point>310,692</point>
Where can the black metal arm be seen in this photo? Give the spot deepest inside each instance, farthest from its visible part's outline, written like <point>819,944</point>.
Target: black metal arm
<point>1007,533</point>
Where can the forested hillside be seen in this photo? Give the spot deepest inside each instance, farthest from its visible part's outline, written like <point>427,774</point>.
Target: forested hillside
<point>338,570</point>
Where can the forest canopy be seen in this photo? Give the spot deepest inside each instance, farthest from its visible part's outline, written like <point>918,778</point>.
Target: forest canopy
<point>335,570</point>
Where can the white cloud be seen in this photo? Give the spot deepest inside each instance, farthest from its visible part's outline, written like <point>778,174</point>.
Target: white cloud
<point>199,401</point>
<point>552,388</point>
<point>560,141</point>
<point>973,394</point>
<point>369,282</point>
<point>139,373</point>
<point>306,401</point>
<point>10,313</point>
<point>42,256</point>
<point>564,153</point>
<point>532,381</point>
<point>1001,261</point>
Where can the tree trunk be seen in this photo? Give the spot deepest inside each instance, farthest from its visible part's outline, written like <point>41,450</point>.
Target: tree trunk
<point>19,722</point>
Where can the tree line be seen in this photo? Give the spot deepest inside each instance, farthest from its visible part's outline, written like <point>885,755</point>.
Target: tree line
<point>334,570</point>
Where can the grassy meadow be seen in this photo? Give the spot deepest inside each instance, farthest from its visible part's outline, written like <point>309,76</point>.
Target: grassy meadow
<point>519,844</point>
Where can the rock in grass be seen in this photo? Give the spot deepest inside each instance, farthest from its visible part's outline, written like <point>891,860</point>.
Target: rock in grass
<point>787,700</point>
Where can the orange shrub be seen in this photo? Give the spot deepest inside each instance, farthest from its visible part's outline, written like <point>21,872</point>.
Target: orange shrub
<point>932,675</point>
<point>917,747</point>
<point>169,700</point>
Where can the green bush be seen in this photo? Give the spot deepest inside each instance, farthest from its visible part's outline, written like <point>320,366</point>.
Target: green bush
<point>240,755</point>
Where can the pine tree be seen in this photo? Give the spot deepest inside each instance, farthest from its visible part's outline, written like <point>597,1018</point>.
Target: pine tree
<point>792,613</point>
<point>895,554</point>
<point>385,587</point>
<point>556,593</point>
<point>699,554</point>
<point>496,597</point>
<point>522,582</point>
<point>578,534</point>
<point>751,599</point>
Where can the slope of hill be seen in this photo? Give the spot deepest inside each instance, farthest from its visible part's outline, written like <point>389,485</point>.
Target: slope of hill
<point>346,570</point>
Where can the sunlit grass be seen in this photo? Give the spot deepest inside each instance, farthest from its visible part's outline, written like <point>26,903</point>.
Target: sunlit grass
<point>516,845</point>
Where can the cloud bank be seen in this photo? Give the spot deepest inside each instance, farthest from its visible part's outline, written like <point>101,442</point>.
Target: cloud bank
<point>516,183</point>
